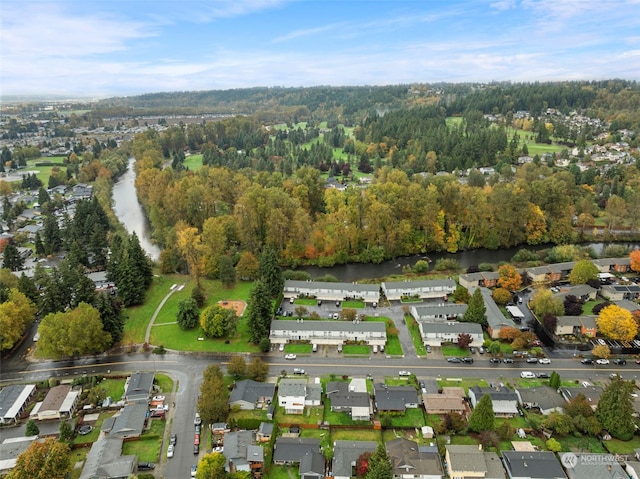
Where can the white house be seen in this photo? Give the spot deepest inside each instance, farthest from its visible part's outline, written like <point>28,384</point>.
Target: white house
<point>330,291</point>
<point>430,289</point>
<point>434,334</point>
<point>328,332</point>
<point>295,394</point>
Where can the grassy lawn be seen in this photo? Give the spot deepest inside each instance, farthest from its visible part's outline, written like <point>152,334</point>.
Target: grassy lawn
<point>298,348</point>
<point>353,304</point>
<point>615,446</point>
<point>533,147</point>
<point>193,162</point>
<point>454,351</point>
<point>464,383</point>
<point>581,444</point>
<point>355,349</point>
<point>453,121</point>
<point>393,347</point>
<point>587,308</point>
<point>356,435</point>
<point>283,472</point>
<point>164,382</point>
<point>148,447</point>
<point>416,337</point>
<point>95,432</point>
<point>245,414</point>
<point>311,416</point>
<point>412,417</point>
<point>114,388</point>
<point>305,302</point>
<point>339,418</point>
<point>78,455</point>
<point>391,434</point>
<point>44,172</point>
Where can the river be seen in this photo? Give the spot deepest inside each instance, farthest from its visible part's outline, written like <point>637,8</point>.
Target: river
<point>130,213</point>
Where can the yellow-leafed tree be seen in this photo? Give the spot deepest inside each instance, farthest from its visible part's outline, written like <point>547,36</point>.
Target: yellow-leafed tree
<point>635,260</point>
<point>617,323</point>
<point>509,279</point>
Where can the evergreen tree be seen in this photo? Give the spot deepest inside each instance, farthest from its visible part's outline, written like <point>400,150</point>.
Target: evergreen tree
<point>615,409</point>
<point>227,271</point>
<point>476,311</point>
<point>32,428</point>
<point>65,432</point>
<point>51,237</point>
<point>379,466</point>
<point>12,259</point>
<point>554,380</point>
<point>270,273</point>
<point>259,312</point>
<point>27,287</point>
<point>39,245</point>
<point>188,313</point>
<point>140,261</point>
<point>111,316</point>
<point>482,418</point>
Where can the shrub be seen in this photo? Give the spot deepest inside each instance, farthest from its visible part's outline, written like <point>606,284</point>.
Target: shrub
<point>447,264</point>
<point>485,267</point>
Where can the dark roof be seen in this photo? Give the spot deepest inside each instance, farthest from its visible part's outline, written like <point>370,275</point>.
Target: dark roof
<point>347,452</point>
<point>236,444</point>
<point>291,449</point>
<point>409,459</point>
<point>497,394</point>
<point>312,463</point>
<point>340,396</point>
<point>104,460</point>
<point>139,386</point>
<point>266,428</point>
<point>544,397</point>
<point>250,391</point>
<point>130,421</point>
<point>534,465</point>
<point>394,398</point>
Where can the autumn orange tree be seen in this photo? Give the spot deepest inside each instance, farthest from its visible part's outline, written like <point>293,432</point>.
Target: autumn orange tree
<point>617,323</point>
<point>49,459</point>
<point>635,260</point>
<point>509,279</point>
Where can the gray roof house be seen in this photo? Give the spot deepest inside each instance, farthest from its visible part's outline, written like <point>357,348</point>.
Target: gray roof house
<point>435,312</point>
<point>290,450</point>
<point>427,289</point>
<point>544,398</point>
<point>487,279</point>
<point>128,423</point>
<point>265,430</point>
<point>345,455</point>
<point>345,398</point>
<point>330,291</point>
<point>105,461</point>
<point>14,400</point>
<point>138,387</point>
<point>311,465</point>
<point>532,465</point>
<point>328,332</point>
<point>496,321</point>
<point>505,400</point>
<point>583,292</point>
<point>467,462</point>
<point>436,333</point>
<point>248,393</point>
<point>591,393</point>
<point>240,451</point>
<point>617,292</point>
<point>395,398</point>
<point>410,461</point>
<point>593,466</point>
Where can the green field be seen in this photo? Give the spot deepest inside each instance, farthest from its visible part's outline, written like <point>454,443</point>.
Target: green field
<point>43,172</point>
<point>527,137</point>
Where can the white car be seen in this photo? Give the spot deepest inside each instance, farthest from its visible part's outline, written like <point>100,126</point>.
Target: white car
<point>602,361</point>
<point>404,373</point>
<point>170,450</point>
<point>544,361</point>
<point>527,375</point>
<point>158,398</point>
<point>290,356</point>
<point>281,347</point>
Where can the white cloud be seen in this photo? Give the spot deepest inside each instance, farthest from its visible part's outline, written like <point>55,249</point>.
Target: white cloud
<point>308,32</point>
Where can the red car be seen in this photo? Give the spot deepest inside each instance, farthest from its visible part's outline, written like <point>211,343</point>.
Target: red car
<point>196,440</point>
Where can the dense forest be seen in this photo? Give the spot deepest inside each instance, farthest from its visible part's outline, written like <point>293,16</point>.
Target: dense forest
<point>264,186</point>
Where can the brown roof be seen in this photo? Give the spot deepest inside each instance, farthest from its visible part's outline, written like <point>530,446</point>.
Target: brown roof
<point>55,397</point>
<point>437,403</point>
<point>453,392</point>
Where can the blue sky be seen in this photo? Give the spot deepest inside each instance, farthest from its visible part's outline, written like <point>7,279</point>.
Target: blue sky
<point>98,48</point>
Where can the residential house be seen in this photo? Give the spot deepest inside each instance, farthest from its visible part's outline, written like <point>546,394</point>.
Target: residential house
<point>411,461</point>
<point>350,397</point>
<point>583,292</point>
<point>290,450</point>
<point>395,398</point>
<point>487,279</point>
<point>295,394</point>
<point>100,280</point>
<point>249,394</point>
<point>330,291</point>
<point>496,321</point>
<point>618,292</point>
<point>591,393</point>
<point>628,305</point>
<point>577,326</point>
<point>10,449</point>
<point>438,312</point>
<point>105,460</point>
<point>471,462</point>
<point>429,289</point>
<point>550,273</point>
<point>615,265</point>
<point>544,398</point>
<point>241,452</point>
<point>434,334</point>
<point>328,332</point>
<point>345,455</point>
<point>128,423</point>
<point>593,466</point>
<point>505,400</point>
<point>451,400</point>
<point>60,402</point>
<point>265,430</point>
<point>312,465</point>
<point>138,387</point>
<point>14,400</point>
<point>532,465</point>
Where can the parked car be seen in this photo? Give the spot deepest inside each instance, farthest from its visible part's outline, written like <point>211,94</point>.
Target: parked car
<point>146,466</point>
<point>602,361</point>
<point>494,360</point>
<point>467,359</point>
<point>543,375</point>
<point>507,361</point>
<point>620,361</point>
<point>544,361</point>
<point>472,350</point>
<point>198,420</point>
<point>158,398</point>
<point>429,349</point>
<point>194,470</point>
<point>290,356</point>
<point>587,361</point>
<point>170,451</point>
<point>531,360</point>
<point>404,373</point>
<point>198,429</point>
<point>173,439</point>
<point>339,348</point>
<point>196,449</point>
<point>454,360</point>
<point>314,348</point>
<point>481,349</point>
<point>298,371</point>
<point>375,348</point>
<point>527,375</point>
<point>281,347</point>
<point>196,440</point>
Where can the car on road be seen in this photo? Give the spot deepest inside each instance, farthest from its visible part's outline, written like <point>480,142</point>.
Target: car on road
<point>507,361</point>
<point>620,361</point>
<point>404,373</point>
<point>454,360</point>
<point>587,361</point>
<point>602,361</point>
<point>421,384</point>
<point>196,449</point>
<point>298,371</point>
<point>197,420</point>
<point>290,356</point>
<point>527,375</point>
<point>543,375</point>
<point>494,360</point>
<point>173,439</point>
<point>198,428</point>
<point>544,361</point>
<point>146,466</point>
<point>531,360</point>
<point>467,359</point>
<point>194,470</point>
<point>170,451</point>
